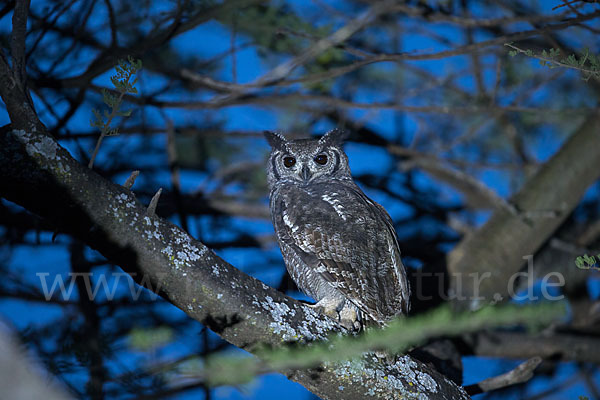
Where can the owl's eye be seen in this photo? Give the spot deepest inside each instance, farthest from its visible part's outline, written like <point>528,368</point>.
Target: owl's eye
<point>321,159</point>
<point>289,162</point>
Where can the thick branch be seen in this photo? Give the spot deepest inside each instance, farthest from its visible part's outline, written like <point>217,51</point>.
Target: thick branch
<point>17,40</point>
<point>14,92</point>
<point>495,251</point>
<point>41,176</point>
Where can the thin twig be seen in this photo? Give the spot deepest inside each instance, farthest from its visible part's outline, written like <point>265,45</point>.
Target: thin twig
<point>475,191</point>
<point>131,180</point>
<point>269,79</point>
<point>590,234</point>
<point>112,22</point>
<point>522,373</point>
<point>121,81</point>
<point>284,69</point>
<point>426,14</point>
<point>233,49</point>
<point>557,63</point>
<point>569,3</point>
<point>174,167</point>
<point>285,99</point>
<point>104,132</point>
<point>153,203</point>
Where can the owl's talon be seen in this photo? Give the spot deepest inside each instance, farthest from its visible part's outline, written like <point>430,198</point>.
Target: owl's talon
<point>326,309</point>
<point>349,319</point>
<point>385,356</point>
<point>350,325</point>
<point>346,316</point>
<point>317,307</point>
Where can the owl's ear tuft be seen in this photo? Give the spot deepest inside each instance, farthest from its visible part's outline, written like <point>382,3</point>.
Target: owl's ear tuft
<point>275,139</point>
<point>334,137</point>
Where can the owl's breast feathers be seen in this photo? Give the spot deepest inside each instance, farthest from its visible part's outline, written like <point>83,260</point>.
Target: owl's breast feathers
<point>337,232</point>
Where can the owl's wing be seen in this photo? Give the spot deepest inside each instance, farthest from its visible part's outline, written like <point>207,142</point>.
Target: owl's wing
<point>350,242</point>
<point>399,270</point>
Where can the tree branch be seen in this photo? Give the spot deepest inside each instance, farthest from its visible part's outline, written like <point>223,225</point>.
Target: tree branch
<point>556,346</point>
<point>339,36</point>
<point>496,250</point>
<point>17,40</point>
<point>279,76</point>
<point>13,89</point>
<point>522,373</point>
<point>43,177</point>
<point>105,61</point>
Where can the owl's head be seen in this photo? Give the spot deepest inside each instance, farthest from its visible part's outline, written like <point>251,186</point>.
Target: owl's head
<point>306,161</point>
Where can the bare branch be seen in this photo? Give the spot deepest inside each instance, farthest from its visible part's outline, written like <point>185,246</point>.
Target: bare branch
<point>477,194</point>
<point>399,336</point>
<point>167,260</point>
<point>284,69</point>
<point>590,235</point>
<point>319,101</point>
<point>17,40</point>
<point>571,2</point>
<point>131,179</point>
<point>174,167</point>
<point>499,246</point>
<point>554,345</point>
<point>152,206</point>
<point>276,77</point>
<point>113,25</point>
<point>522,373</point>
<point>467,21</point>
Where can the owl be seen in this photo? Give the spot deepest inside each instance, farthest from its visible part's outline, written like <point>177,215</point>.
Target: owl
<point>339,246</point>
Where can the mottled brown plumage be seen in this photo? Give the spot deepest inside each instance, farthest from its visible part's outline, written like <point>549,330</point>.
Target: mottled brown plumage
<point>339,246</point>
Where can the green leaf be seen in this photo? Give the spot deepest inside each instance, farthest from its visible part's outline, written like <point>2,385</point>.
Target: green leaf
<point>572,60</point>
<point>580,263</point>
<point>590,261</point>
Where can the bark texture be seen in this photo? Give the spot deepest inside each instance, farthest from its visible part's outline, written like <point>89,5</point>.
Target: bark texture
<point>495,252</point>
<point>42,176</point>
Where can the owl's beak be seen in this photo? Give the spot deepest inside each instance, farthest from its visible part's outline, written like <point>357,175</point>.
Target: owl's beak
<point>306,175</point>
